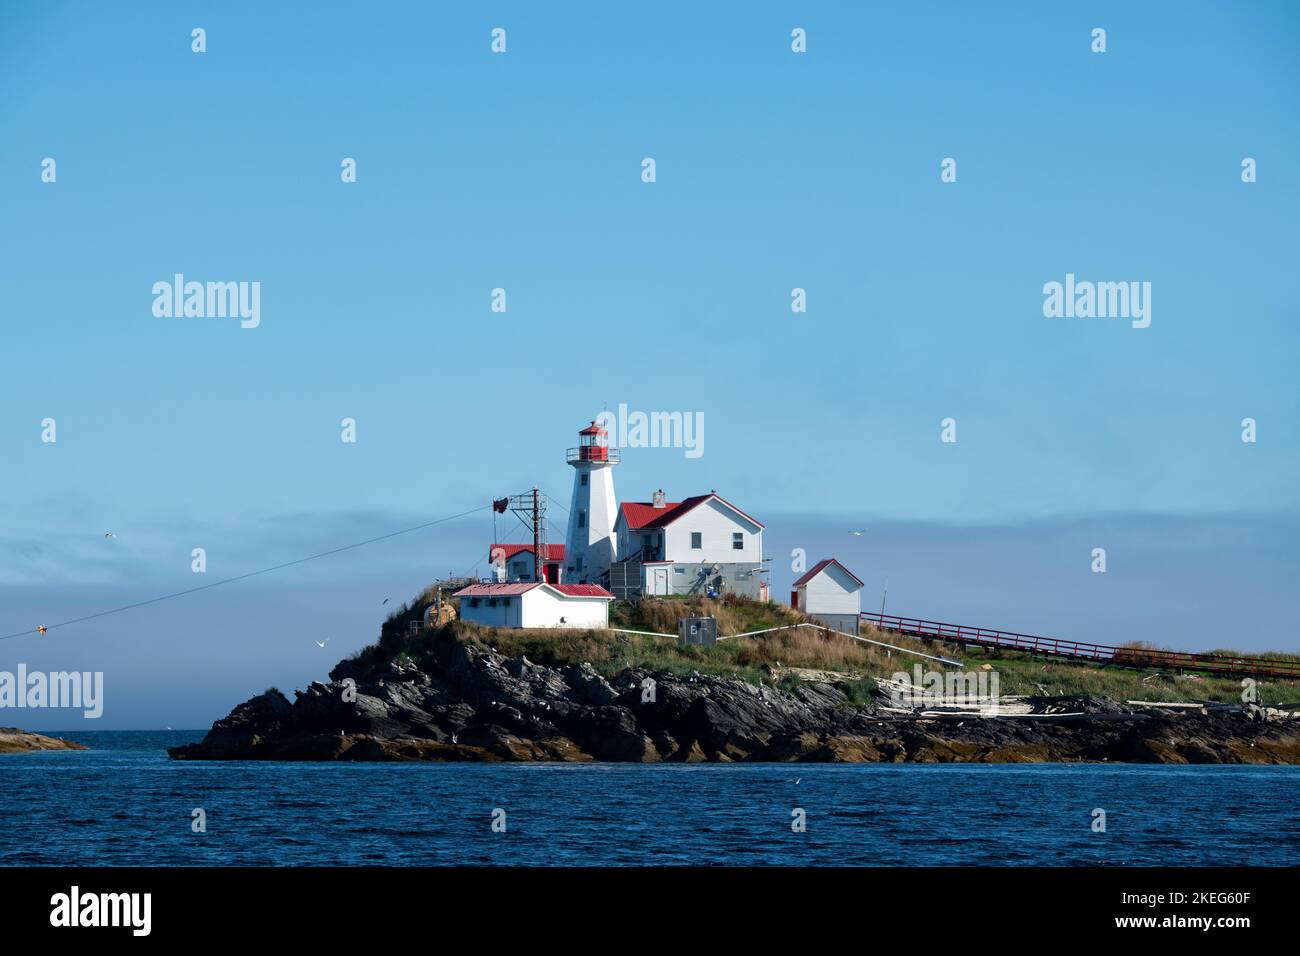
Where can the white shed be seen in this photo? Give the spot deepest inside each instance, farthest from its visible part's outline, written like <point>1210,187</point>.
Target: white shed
<point>531,604</point>
<point>831,594</point>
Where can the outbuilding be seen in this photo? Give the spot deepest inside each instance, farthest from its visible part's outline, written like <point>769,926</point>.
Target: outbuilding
<point>535,604</point>
<point>831,594</point>
<point>514,562</point>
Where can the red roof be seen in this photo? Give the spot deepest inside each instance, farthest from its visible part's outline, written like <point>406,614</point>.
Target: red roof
<point>643,514</point>
<point>593,429</point>
<point>582,590</point>
<point>640,514</point>
<point>506,590</point>
<point>495,590</point>
<point>554,552</point>
<point>821,566</point>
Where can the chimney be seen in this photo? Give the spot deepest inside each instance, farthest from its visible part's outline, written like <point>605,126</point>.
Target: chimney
<point>659,498</point>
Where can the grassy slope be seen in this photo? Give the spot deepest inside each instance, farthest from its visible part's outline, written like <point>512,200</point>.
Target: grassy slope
<point>750,658</point>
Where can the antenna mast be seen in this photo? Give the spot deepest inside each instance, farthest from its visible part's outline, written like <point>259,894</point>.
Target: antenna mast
<point>530,508</point>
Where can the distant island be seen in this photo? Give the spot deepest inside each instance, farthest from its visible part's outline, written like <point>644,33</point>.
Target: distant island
<point>15,741</point>
<point>455,691</point>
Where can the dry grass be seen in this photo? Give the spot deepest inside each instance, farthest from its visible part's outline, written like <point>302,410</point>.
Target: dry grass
<point>1261,655</point>
<point>1141,646</point>
<point>662,616</point>
<point>550,647</point>
<point>806,646</point>
<point>735,615</point>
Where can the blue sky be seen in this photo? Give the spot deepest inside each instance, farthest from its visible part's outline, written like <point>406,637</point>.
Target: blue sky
<point>522,171</point>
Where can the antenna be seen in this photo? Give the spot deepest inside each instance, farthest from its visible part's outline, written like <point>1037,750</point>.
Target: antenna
<point>530,508</point>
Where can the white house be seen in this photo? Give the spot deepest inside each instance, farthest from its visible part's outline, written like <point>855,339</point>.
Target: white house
<point>514,562</point>
<point>534,604</point>
<point>831,594</point>
<point>700,545</point>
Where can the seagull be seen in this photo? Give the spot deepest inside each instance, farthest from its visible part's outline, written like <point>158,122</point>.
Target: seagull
<point>453,738</point>
<point>384,601</point>
<point>109,534</point>
<point>322,643</point>
<point>797,779</point>
<point>41,628</point>
<point>858,534</point>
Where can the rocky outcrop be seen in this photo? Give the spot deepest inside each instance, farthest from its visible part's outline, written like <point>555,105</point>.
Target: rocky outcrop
<point>15,741</point>
<point>468,702</point>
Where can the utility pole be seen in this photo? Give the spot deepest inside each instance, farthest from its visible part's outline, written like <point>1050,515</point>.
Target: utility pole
<point>530,509</point>
<point>539,560</point>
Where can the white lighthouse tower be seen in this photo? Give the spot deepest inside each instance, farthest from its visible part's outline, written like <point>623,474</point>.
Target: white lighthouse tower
<point>589,545</point>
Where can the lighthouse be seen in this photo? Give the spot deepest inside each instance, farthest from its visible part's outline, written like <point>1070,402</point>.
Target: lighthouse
<point>589,545</point>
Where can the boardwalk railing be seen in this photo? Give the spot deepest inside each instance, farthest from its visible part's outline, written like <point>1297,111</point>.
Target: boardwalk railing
<point>1080,650</point>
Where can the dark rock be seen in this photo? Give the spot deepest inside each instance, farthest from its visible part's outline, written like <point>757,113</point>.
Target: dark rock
<point>13,741</point>
<point>468,702</point>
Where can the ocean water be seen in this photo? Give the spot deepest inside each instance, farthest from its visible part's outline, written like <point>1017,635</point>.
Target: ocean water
<point>125,803</point>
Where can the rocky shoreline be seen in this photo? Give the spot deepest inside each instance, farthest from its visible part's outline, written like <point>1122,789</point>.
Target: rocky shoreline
<point>470,703</point>
<point>15,741</point>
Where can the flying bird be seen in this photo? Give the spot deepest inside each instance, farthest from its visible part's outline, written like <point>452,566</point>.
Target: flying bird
<point>384,601</point>
<point>41,628</point>
<point>322,643</point>
<point>109,534</point>
<point>858,534</point>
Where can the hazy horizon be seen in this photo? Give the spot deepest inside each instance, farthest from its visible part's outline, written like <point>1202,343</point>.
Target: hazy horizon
<point>1192,583</point>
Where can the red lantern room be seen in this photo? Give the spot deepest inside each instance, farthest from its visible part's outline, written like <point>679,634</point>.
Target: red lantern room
<point>593,446</point>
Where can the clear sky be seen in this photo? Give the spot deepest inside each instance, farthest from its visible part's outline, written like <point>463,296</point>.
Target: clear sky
<point>522,171</point>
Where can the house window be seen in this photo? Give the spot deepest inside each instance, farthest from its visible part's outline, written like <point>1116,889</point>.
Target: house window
<point>582,519</point>
<point>474,602</point>
<point>697,540</point>
<point>679,570</point>
<point>584,478</point>
<point>738,541</point>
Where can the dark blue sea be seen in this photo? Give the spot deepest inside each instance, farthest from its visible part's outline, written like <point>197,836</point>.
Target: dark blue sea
<point>125,803</point>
